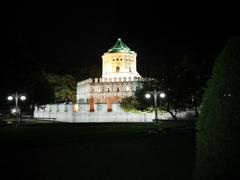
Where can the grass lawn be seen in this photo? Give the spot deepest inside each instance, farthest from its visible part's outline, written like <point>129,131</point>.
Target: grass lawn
<point>97,151</point>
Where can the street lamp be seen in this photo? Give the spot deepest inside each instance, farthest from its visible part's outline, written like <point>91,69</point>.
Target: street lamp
<point>17,111</point>
<point>155,93</point>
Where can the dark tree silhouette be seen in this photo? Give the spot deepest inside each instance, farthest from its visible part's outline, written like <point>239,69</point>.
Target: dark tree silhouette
<point>218,136</point>
<point>63,87</point>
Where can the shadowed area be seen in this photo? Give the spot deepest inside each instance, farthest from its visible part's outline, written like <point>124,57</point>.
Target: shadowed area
<point>98,151</point>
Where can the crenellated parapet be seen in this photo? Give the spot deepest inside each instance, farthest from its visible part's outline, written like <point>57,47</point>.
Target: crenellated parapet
<point>111,80</point>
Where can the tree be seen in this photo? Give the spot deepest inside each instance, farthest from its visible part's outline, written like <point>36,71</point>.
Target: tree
<point>218,148</point>
<point>40,90</point>
<point>184,83</point>
<point>140,103</point>
<point>188,78</point>
<point>64,87</point>
<point>130,104</point>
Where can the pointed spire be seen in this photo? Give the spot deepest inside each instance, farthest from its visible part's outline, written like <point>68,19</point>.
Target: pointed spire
<point>119,47</point>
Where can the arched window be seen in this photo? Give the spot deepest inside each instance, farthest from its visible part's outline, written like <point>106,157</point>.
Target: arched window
<point>108,89</point>
<point>130,70</point>
<point>117,68</point>
<point>117,89</point>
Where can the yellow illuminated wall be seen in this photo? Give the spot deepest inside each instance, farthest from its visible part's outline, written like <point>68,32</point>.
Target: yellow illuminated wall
<point>119,66</point>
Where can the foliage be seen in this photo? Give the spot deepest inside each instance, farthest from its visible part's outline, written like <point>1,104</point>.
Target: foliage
<point>184,83</point>
<point>27,77</point>
<point>64,87</point>
<point>172,103</point>
<point>130,104</point>
<point>40,91</point>
<point>218,148</point>
<point>187,81</point>
<point>140,103</point>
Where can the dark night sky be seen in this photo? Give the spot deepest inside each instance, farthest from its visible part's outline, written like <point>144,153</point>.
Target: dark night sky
<point>61,36</point>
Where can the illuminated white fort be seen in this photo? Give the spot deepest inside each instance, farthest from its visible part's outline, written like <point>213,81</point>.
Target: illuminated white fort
<point>98,99</point>
<point>119,79</point>
<point>119,63</point>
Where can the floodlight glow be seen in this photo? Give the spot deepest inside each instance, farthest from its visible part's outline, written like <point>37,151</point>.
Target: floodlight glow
<point>23,98</point>
<point>10,98</point>
<point>147,96</point>
<point>75,108</point>
<point>13,111</point>
<point>162,95</point>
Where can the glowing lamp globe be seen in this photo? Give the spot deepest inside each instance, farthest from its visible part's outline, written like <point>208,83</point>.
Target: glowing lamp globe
<point>162,95</point>
<point>147,96</point>
<point>23,98</point>
<point>13,111</point>
<point>10,98</point>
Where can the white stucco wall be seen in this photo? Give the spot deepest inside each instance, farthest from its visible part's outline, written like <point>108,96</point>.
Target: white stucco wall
<point>69,113</point>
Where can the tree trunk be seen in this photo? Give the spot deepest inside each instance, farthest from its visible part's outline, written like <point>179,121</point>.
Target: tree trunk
<point>172,114</point>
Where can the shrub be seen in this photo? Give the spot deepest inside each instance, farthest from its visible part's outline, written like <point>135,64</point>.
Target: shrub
<point>218,125</point>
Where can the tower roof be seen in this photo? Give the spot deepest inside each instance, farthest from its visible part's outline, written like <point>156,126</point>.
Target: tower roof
<point>119,47</point>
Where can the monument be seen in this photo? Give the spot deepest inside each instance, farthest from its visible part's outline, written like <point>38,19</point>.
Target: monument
<point>119,79</point>
<point>98,99</point>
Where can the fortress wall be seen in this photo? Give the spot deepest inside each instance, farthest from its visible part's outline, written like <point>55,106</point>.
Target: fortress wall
<point>101,90</point>
<point>67,113</point>
<point>80,113</point>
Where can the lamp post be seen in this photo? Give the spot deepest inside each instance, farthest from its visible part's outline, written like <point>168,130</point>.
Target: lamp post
<point>155,94</point>
<point>17,111</point>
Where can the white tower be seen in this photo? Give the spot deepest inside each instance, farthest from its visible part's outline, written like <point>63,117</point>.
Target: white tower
<point>119,63</point>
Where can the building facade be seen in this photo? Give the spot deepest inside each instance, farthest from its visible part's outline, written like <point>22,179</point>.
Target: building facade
<point>119,79</point>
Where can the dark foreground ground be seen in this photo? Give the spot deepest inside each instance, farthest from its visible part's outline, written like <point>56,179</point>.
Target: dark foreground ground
<point>98,151</point>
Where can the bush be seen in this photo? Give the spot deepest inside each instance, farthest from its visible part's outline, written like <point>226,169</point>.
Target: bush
<point>130,104</point>
<point>218,125</point>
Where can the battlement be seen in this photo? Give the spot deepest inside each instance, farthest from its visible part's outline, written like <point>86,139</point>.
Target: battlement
<point>120,79</point>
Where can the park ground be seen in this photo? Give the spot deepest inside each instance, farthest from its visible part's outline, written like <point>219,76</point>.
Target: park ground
<point>98,151</point>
